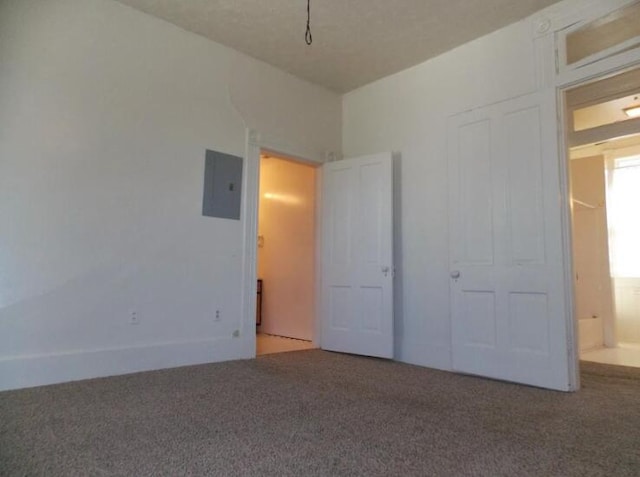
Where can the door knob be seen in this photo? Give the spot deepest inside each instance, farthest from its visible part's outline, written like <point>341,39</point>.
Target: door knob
<point>455,274</point>
<point>385,270</point>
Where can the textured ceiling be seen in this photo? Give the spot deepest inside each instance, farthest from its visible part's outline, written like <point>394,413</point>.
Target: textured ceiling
<point>354,41</point>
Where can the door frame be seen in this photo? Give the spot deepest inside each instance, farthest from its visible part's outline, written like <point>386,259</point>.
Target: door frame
<point>257,143</point>
<point>555,28</point>
<point>595,72</point>
<point>565,112</point>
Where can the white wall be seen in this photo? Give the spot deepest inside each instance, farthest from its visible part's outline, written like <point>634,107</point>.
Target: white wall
<point>286,261</point>
<point>105,114</point>
<point>407,113</point>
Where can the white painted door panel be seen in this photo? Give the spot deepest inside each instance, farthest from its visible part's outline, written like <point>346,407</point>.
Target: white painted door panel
<point>357,259</point>
<point>507,302</point>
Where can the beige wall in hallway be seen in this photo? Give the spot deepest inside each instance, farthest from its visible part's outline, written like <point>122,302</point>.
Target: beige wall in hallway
<point>593,299</point>
<point>286,254</point>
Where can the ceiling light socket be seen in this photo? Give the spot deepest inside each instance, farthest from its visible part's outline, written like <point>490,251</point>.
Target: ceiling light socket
<point>632,112</point>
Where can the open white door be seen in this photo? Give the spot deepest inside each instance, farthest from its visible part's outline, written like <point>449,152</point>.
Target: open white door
<point>507,290</point>
<point>357,256</point>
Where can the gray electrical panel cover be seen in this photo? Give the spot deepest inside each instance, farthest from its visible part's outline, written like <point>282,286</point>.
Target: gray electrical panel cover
<point>222,185</point>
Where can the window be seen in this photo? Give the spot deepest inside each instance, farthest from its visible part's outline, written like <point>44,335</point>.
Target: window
<point>623,216</point>
<point>616,32</point>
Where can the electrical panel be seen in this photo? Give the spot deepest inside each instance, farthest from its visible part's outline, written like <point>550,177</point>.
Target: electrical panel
<point>222,185</point>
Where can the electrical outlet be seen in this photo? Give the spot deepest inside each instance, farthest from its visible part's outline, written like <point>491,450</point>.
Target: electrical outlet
<point>134,319</point>
<point>217,317</point>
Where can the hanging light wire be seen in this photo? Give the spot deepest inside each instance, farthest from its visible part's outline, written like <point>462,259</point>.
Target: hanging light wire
<point>307,35</point>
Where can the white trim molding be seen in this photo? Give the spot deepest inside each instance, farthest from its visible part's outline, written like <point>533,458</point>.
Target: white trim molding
<point>38,370</point>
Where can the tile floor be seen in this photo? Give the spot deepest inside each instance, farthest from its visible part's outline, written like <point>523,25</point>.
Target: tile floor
<point>267,344</point>
<point>623,355</point>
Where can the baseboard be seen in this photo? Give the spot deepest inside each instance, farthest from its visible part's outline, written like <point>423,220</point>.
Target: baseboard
<point>28,371</point>
<point>429,355</point>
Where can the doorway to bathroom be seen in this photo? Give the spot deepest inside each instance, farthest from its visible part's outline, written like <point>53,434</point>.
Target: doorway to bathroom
<point>604,163</point>
<point>286,257</point>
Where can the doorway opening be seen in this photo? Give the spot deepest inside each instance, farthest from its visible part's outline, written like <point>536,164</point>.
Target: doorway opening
<point>286,255</point>
<point>603,138</point>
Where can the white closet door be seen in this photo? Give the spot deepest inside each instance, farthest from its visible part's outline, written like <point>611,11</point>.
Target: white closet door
<point>506,270</point>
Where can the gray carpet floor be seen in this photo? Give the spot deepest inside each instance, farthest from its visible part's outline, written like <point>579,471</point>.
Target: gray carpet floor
<point>318,413</point>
